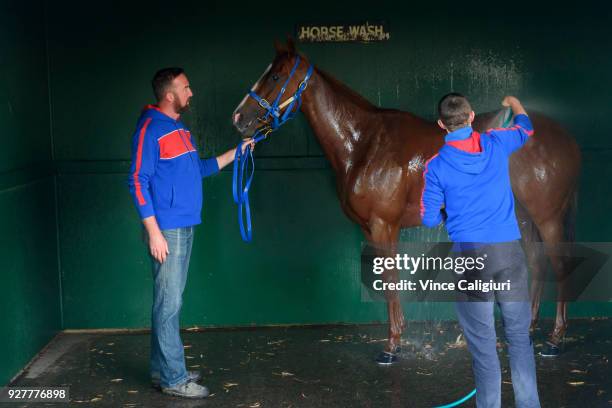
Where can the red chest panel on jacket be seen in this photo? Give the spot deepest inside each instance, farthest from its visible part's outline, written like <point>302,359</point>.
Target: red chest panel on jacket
<point>175,144</point>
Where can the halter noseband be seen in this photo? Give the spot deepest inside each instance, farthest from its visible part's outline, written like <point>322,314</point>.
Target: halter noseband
<point>275,109</point>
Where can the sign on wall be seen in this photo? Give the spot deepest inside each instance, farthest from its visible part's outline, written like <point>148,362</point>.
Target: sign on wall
<point>358,32</point>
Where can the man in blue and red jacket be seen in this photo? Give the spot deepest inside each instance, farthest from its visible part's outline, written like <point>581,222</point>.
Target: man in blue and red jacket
<point>469,180</point>
<point>166,184</point>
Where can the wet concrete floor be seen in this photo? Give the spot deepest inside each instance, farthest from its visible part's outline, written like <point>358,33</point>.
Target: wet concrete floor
<point>329,366</point>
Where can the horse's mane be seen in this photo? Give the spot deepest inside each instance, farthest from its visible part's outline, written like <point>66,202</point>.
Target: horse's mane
<point>344,90</point>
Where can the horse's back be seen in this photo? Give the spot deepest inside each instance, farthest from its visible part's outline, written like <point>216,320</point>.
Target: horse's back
<point>545,171</point>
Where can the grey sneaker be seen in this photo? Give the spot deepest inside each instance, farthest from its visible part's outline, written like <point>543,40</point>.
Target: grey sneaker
<point>187,390</point>
<point>193,376</point>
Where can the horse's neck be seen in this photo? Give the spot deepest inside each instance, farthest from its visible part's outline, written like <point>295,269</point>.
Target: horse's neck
<point>335,114</point>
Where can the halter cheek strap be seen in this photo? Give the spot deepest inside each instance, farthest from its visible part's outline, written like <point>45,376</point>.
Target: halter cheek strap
<point>274,110</point>
<point>242,175</point>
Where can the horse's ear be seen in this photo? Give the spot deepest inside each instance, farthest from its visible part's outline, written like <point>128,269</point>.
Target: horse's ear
<point>290,45</point>
<point>279,47</point>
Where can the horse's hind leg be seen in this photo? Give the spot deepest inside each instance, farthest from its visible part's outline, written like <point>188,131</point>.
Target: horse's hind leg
<point>536,260</point>
<point>552,232</point>
<point>386,235</point>
<point>537,265</point>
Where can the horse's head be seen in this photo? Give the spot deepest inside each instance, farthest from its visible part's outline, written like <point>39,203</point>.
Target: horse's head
<point>276,94</point>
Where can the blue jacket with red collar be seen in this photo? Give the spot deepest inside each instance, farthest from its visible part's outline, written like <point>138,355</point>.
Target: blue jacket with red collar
<point>470,176</point>
<point>166,173</point>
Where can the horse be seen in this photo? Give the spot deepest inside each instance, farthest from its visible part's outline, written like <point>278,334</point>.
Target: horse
<point>378,157</point>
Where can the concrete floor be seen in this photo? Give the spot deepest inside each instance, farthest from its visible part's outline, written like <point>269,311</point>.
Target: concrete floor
<point>316,367</point>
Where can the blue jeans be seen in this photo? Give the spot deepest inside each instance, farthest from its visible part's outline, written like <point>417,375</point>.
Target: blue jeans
<point>478,322</point>
<point>169,278</point>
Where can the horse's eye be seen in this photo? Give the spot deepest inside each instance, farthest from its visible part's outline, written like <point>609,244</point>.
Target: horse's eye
<point>275,77</point>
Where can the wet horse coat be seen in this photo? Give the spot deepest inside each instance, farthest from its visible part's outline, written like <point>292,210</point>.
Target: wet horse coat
<point>378,156</point>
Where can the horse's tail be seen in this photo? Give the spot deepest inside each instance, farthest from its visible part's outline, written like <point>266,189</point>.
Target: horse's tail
<point>529,231</point>
<point>570,217</point>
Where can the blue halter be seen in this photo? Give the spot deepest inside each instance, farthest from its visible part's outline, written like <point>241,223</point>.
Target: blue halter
<point>274,110</point>
<point>240,184</point>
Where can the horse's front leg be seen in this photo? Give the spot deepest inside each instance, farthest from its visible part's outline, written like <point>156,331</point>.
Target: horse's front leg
<point>397,324</point>
<point>385,235</point>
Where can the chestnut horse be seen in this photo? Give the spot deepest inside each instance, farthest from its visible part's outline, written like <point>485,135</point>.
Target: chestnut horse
<point>378,157</point>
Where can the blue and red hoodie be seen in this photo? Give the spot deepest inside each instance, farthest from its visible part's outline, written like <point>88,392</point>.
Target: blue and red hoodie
<point>166,173</point>
<point>470,176</point>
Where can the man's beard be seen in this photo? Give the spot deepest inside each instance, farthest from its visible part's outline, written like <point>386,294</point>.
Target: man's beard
<point>178,108</point>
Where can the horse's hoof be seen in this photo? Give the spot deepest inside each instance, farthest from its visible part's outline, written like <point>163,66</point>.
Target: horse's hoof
<point>386,358</point>
<point>550,350</point>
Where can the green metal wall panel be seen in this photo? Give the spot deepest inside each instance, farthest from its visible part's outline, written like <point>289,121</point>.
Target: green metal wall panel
<point>30,301</point>
<point>295,271</point>
<point>24,102</point>
<point>290,274</point>
<point>302,267</point>
<point>30,310</point>
<point>101,67</point>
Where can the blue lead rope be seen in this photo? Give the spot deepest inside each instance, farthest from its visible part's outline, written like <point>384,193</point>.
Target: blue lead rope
<point>241,197</point>
<point>241,185</point>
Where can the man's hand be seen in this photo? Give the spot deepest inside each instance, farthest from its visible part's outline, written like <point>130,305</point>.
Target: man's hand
<point>157,243</point>
<point>228,157</point>
<point>158,247</point>
<point>248,142</point>
<point>514,104</point>
<point>508,100</point>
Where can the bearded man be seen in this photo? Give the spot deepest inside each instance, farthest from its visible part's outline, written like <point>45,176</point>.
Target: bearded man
<point>166,184</point>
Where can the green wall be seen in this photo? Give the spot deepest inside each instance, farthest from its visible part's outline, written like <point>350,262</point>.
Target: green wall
<point>302,267</point>
<point>30,309</point>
